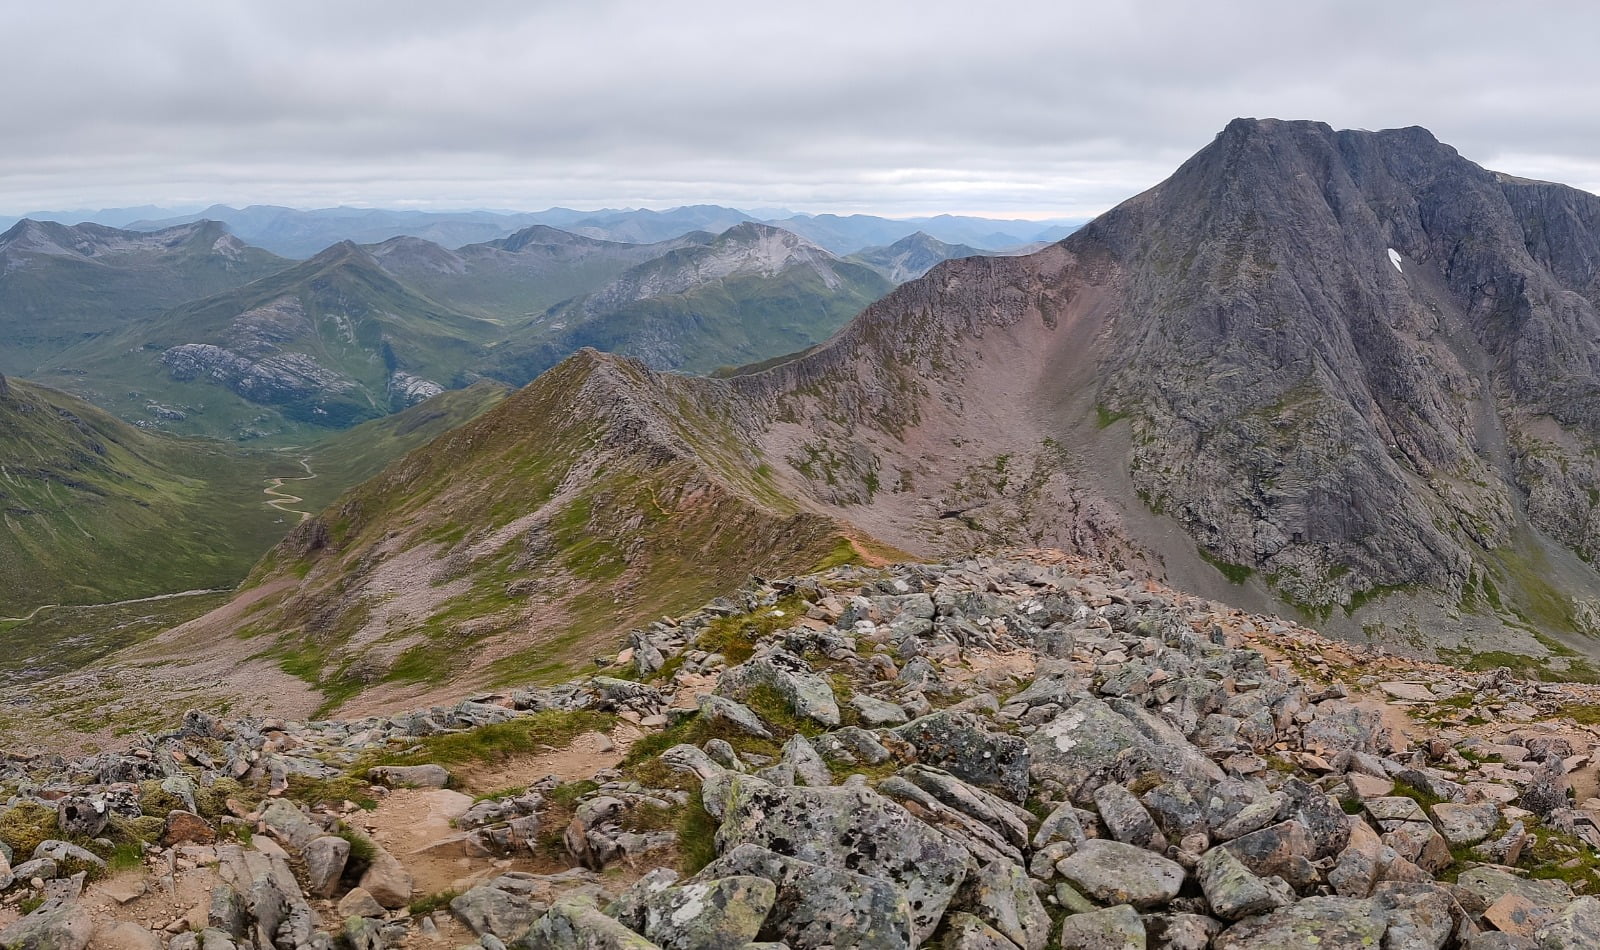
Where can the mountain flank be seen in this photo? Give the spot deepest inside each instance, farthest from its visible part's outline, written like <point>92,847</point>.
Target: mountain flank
<point>61,285</point>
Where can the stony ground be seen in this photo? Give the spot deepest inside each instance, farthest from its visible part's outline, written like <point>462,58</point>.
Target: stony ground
<point>1011,754</point>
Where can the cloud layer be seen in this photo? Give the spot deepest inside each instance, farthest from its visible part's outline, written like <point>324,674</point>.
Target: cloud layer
<point>1027,109</point>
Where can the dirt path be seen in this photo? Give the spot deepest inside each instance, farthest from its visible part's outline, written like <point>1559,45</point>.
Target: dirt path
<point>281,500</point>
<point>115,603</point>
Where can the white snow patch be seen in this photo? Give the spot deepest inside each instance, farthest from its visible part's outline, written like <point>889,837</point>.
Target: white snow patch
<point>1394,258</point>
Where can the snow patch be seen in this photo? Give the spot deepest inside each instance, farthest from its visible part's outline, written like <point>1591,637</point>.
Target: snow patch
<point>1394,258</point>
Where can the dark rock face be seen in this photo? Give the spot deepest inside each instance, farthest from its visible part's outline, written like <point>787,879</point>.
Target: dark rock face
<point>1353,362</point>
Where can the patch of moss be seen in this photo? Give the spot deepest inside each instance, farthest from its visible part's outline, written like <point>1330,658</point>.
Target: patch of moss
<point>1235,573</point>
<point>25,825</point>
<point>502,740</point>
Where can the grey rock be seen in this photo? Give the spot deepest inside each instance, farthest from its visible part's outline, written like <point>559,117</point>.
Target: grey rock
<point>1327,923</point>
<point>821,906</point>
<point>493,908</point>
<point>1282,850</point>
<point>55,925</point>
<point>962,745</point>
<point>1232,891</point>
<point>1115,928</point>
<point>809,769</point>
<point>575,923</point>
<point>966,932</point>
<point>849,828</point>
<point>1001,895</point>
<point>805,692</point>
<point>1577,927</point>
<point>717,709</point>
<point>325,858</point>
<point>387,880</point>
<point>877,712</point>
<point>1420,916</point>
<point>718,914</point>
<point>288,824</point>
<point>1115,873</point>
<point>1127,819</point>
<point>1466,824</point>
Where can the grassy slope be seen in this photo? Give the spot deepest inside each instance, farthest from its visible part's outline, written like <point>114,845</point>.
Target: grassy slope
<point>619,525</point>
<point>96,510</point>
<point>363,323</point>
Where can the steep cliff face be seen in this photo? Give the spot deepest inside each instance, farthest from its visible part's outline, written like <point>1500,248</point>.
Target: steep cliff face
<point>1352,363</point>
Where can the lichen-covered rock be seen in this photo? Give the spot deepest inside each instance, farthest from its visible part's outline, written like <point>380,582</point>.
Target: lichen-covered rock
<point>850,828</point>
<point>1232,891</point>
<point>1466,824</point>
<point>718,914</point>
<point>1115,928</point>
<point>819,906</point>
<point>490,908</point>
<point>959,743</point>
<point>966,932</point>
<point>1282,850</point>
<point>54,925</point>
<point>575,923</point>
<point>806,694</point>
<point>1001,895</point>
<point>1115,873</point>
<point>1577,927</point>
<point>1326,923</point>
<point>718,709</point>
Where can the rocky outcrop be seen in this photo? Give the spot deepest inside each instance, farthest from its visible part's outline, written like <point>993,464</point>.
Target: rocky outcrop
<point>1255,791</point>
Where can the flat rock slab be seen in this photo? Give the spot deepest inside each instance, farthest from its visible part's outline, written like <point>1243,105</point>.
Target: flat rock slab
<point>1409,692</point>
<point>1115,873</point>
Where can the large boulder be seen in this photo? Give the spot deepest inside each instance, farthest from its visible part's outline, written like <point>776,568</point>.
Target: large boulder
<point>575,923</point>
<point>959,743</point>
<point>851,828</point>
<point>1115,928</point>
<point>53,926</point>
<point>802,690</point>
<point>821,906</point>
<point>718,914</point>
<point>1326,923</point>
<point>1115,873</point>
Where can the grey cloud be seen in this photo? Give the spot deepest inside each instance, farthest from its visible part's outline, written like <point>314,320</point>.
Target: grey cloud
<point>1038,108</point>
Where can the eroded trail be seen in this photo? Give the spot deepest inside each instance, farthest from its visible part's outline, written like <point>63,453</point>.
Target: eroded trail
<point>115,603</point>
<point>281,500</point>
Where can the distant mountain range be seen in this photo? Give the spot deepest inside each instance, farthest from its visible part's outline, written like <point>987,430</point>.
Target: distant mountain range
<point>296,233</point>
<point>270,347</point>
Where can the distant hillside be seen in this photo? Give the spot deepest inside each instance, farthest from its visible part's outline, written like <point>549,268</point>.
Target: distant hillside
<point>515,279</point>
<point>752,293</point>
<point>60,285</point>
<point>323,344</point>
<point>912,256</point>
<point>95,510</point>
<point>302,234</point>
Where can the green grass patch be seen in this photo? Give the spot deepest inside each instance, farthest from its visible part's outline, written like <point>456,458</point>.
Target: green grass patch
<point>497,742</point>
<point>1235,573</point>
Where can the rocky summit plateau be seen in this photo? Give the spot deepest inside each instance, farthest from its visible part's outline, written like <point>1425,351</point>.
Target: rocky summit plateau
<point>1013,753</point>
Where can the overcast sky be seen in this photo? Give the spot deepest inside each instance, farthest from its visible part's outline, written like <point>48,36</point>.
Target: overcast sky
<point>1009,109</point>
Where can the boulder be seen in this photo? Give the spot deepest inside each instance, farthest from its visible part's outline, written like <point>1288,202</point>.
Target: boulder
<point>803,691</point>
<point>387,881</point>
<point>575,923</point>
<point>325,859</point>
<point>1115,873</point>
<point>1115,928</point>
<point>1577,927</point>
<point>1232,891</point>
<point>1326,923</point>
<point>821,906</point>
<point>1001,895</point>
<point>849,828</point>
<point>702,915</point>
<point>55,925</point>
<point>960,743</point>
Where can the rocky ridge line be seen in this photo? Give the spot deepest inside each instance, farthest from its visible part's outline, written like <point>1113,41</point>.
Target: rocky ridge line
<point>1005,754</point>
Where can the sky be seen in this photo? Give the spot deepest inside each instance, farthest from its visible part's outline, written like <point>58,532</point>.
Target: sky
<point>1006,109</point>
